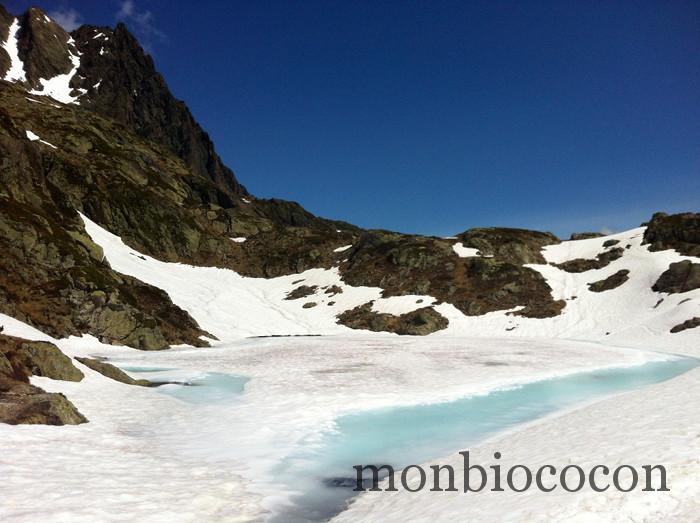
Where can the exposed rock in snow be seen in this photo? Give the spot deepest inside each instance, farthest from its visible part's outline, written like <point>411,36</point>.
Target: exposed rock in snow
<point>611,282</point>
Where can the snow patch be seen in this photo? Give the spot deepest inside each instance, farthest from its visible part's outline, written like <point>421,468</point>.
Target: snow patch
<point>343,248</point>
<point>35,138</point>
<point>240,239</point>
<point>465,252</point>
<point>59,87</point>
<point>398,305</point>
<point>16,71</point>
<point>231,306</point>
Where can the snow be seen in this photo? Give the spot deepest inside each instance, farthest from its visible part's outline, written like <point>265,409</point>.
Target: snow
<point>239,239</point>
<point>16,71</point>
<point>649,425</point>
<point>42,103</point>
<point>343,248</point>
<point>642,427</point>
<point>231,306</point>
<point>145,449</point>
<point>35,138</point>
<point>465,252</point>
<point>59,87</point>
<point>401,304</point>
<point>629,315</point>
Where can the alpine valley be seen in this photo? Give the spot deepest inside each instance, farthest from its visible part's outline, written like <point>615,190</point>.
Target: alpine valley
<point>173,348</point>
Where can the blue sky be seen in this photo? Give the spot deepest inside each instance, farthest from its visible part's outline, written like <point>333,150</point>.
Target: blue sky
<point>434,117</point>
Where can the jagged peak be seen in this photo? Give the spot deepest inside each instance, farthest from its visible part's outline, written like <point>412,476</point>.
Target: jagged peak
<point>108,71</point>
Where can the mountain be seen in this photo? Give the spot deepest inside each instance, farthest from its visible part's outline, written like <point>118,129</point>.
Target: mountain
<point>107,70</point>
<point>92,142</point>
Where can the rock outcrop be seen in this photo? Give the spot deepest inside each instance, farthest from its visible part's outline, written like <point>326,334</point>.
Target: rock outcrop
<point>677,231</point>
<point>53,275</point>
<point>603,259</point>
<point>404,264</point>
<point>415,323</point>
<point>680,277</point>
<point>110,371</point>
<point>692,323</point>
<point>130,91</point>
<point>611,282</point>
<point>585,235</point>
<point>23,403</point>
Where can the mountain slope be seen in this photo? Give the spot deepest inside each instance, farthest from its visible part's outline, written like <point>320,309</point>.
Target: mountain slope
<point>106,69</point>
<point>88,125</point>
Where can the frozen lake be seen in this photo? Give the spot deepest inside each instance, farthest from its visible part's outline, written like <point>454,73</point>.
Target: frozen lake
<point>319,472</point>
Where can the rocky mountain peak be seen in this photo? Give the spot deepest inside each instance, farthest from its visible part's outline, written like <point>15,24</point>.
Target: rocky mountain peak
<point>44,47</point>
<point>107,71</point>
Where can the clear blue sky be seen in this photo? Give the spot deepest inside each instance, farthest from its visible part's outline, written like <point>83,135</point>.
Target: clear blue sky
<point>437,116</point>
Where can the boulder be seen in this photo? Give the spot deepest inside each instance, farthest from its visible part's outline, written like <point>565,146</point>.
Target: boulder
<point>45,359</point>
<point>38,408</point>
<point>21,402</point>
<point>611,282</point>
<point>415,323</point>
<point>677,231</point>
<point>112,372</point>
<point>603,259</point>
<point>585,235</point>
<point>680,277</point>
<point>301,292</point>
<point>688,324</point>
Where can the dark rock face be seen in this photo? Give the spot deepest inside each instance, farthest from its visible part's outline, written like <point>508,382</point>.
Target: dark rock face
<point>678,231</point>
<point>403,264</point>
<point>611,282</point>
<point>118,80</point>
<point>32,406</point>
<point>21,402</point>
<point>679,277</point>
<point>43,47</point>
<point>283,238</point>
<point>518,246</point>
<point>45,359</point>
<point>133,93</point>
<point>601,260</point>
<point>585,235</point>
<point>52,275</point>
<point>610,243</point>
<point>415,323</point>
<point>112,372</point>
<point>301,292</point>
<point>688,324</point>
<point>5,22</point>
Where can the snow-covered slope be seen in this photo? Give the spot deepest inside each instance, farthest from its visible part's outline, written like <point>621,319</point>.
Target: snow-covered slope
<point>231,306</point>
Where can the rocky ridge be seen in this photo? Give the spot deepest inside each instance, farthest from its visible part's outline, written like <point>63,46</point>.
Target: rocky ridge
<point>119,148</point>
